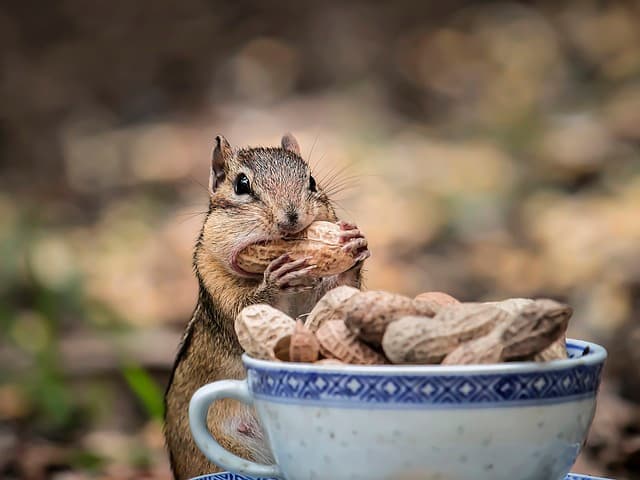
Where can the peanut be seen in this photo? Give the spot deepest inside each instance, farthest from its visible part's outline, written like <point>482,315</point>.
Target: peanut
<point>281,350</point>
<point>303,346</point>
<point>436,300</point>
<point>536,327</point>
<point>320,241</point>
<point>347,326</point>
<point>369,313</point>
<point>337,341</point>
<point>260,328</point>
<point>486,349</point>
<point>428,340</point>
<point>533,330</point>
<point>556,351</point>
<point>512,305</point>
<point>330,307</point>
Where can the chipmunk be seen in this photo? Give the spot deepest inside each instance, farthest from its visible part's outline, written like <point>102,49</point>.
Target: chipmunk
<point>256,194</point>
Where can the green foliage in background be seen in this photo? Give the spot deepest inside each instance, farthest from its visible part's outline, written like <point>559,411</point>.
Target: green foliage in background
<point>146,390</point>
<point>34,316</point>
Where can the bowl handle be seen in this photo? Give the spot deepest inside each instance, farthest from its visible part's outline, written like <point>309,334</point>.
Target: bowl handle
<point>198,409</point>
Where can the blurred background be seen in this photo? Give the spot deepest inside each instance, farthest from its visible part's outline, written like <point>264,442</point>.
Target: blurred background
<point>487,149</point>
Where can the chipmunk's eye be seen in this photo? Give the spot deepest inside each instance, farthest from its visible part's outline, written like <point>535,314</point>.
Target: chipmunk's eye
<point>312,184</point>
<point>242,186</point>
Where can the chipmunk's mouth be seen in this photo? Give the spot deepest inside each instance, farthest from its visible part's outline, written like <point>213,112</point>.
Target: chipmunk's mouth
<point>259,240</point>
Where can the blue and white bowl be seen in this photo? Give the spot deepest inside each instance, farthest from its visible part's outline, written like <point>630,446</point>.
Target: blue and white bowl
<point>236,476</point>
<point>508,421</point>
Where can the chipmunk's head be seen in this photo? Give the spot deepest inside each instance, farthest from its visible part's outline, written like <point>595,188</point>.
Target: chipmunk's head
<point>259,194</point>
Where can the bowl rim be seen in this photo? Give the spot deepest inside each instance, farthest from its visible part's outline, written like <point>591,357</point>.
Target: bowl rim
<point>597,355</point>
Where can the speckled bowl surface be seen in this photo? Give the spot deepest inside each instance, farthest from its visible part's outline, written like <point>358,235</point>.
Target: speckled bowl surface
<point>524,420</point>
<point>236,476</point>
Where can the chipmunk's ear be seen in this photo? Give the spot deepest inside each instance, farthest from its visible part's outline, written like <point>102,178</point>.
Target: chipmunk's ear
<point>219,157</point>
<point>290,143</point>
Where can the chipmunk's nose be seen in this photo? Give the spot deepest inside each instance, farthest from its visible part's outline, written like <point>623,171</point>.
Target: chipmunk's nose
<point>292,217</point>
<point>290,221</point>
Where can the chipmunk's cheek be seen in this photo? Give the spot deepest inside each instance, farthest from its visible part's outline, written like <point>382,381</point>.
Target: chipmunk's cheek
<point>322,214</point>
<point>236,269</point>
<point>307,219</point>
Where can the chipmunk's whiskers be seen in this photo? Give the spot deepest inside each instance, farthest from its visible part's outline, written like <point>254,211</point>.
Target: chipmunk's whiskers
<point>184,217</point>
<point>331,175</point>
<point>312,167</point>
<point>340,185</point>
<point>197,182</point>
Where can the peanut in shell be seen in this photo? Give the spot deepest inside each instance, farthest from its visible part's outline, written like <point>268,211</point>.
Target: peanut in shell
<point>337,341</point>
<point>369,313</point>
<point>320,241</point>
<point>535,328</point>
<point>556,351</point>
<point>512,305</point>
<point>260,327</point>
<point>436,300</point>
<point>281,350</point>
<point>303,345</point>
<point>538,326</point>
<point>482,350</point>
<point>425,340</point>
<point>330,307</point>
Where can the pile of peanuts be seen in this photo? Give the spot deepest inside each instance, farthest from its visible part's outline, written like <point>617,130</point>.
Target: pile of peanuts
<point>348,326</point>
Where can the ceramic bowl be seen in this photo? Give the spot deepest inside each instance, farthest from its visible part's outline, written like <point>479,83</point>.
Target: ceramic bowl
<point>509,421</point>
<point>236,476</point>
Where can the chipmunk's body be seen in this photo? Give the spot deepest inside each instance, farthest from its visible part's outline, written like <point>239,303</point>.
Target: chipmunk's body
<point>256,194</point>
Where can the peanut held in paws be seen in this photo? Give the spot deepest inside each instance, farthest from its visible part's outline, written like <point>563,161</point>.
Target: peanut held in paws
<point>322,243</point>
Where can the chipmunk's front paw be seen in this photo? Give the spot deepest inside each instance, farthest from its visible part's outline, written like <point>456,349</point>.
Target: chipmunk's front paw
<point>354,242</point>
<point>290,276</point>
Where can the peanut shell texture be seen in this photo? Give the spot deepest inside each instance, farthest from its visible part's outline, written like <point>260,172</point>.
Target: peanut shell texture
<point>556,351</point>
<point>330,307</point>
<point>303,345</point>
<point>337,341</point>
<point>436,300</point>
<point>535,328</point>
<point>512,305</point>
<point>427,340</point>
<point>369,313</point>
<point>259,329</point>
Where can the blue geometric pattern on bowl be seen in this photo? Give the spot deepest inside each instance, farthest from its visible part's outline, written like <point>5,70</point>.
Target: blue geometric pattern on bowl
<point>380,390</point>
<point>235,476</point>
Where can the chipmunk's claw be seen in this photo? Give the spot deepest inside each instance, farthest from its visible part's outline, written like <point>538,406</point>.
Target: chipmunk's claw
<point>353,241</point>
<point>362,256</point>
<point>291,276</point>
<point>347,225</point>
<point>355,245</point>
